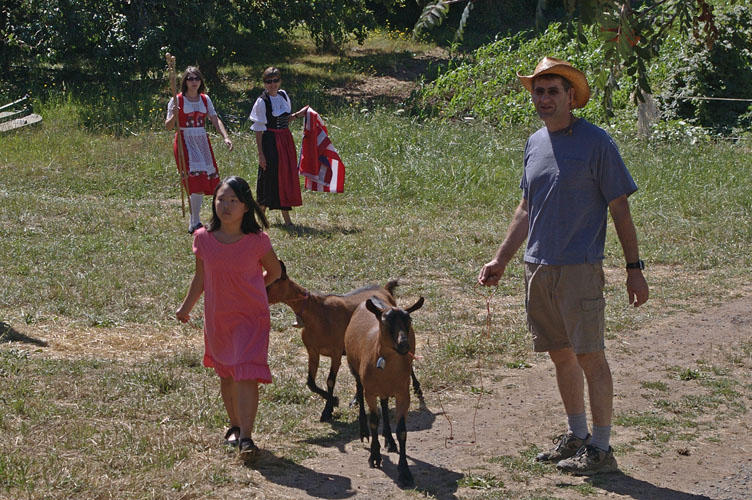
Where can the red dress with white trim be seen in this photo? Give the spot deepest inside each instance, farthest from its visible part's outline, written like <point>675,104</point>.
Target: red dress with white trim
<point>203,175</point>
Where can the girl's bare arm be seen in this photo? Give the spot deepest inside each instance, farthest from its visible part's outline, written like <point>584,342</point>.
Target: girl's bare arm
<point>272,268</point>
<point>194,292</point>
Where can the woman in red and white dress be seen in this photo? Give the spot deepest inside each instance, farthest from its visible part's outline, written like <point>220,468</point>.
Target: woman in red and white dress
<point>277,184</point>
<point>194,106</point>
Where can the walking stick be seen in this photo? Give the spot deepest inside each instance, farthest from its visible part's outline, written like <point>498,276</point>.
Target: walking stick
<point>182,170</point>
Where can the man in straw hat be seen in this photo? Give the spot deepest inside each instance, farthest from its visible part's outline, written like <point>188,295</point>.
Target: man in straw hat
<point>572,174</point>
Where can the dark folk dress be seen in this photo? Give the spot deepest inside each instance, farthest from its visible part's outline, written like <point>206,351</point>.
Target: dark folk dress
<point>278,187</point>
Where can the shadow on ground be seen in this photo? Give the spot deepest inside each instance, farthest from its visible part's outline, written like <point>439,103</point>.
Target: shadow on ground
<point>437,481</point>
<point>9,334</point>
<point>302,230</point>
<point>345,431</point>
<point>629,486</point>
<point>440,483</point>
<point>285,472</point>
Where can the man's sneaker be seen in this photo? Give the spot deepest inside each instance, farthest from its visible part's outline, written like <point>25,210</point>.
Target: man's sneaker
<point>588,461</point>
<point>566,446</point>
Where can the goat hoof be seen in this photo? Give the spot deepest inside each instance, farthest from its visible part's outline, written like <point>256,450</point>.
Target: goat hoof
<point>374,461</point>
<point>326,415</point>
<point>389,444</point>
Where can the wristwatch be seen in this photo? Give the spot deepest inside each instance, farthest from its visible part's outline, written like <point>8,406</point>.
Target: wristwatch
<point>636,265</point>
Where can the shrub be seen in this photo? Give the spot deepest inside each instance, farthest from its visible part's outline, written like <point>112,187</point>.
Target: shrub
<point>723,70</point>
<point>486,85</point>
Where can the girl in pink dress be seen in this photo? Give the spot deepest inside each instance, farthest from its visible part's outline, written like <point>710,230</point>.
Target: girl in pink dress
<point>234,263</point>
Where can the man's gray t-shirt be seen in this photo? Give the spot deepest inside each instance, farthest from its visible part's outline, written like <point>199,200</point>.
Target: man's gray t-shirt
<point>570,177</point>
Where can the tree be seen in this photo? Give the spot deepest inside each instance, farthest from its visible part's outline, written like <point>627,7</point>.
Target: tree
<point>632,32</point>
<point>708,85</point>
<point>115,38</point>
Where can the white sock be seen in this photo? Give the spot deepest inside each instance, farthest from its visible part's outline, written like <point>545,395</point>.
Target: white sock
<point>601,437</point>
<point>578,425</point>
<point>195,200</point>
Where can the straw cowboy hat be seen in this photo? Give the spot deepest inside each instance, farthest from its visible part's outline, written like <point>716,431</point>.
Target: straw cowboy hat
<point>553,66</point>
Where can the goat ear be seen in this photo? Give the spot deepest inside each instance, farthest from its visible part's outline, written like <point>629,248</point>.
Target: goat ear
<point>284,269</point>
<point>416,306</point>
<point>375,306</point>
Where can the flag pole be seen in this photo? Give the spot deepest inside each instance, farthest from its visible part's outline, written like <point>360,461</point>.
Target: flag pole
<point>178,134</point>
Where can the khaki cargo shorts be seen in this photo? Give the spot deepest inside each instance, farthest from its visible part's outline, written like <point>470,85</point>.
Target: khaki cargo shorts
<point>565,307</point>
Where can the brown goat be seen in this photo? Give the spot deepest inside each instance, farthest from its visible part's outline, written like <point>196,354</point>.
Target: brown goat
<point>325,318</point>
<point>380,345</point>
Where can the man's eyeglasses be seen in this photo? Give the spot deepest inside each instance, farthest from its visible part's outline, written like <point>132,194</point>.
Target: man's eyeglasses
<point>192,79</point>
<point>272,80</point>
<point>551,91</point>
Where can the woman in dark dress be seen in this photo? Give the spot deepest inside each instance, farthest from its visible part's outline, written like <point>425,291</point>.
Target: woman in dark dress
<point>277,184</point>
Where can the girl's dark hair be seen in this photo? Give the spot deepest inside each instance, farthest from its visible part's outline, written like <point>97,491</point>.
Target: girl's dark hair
<point>243,192</point>
<point>192,70</point>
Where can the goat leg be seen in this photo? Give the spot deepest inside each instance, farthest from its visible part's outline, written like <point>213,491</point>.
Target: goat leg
<point>331,400</point>
<point>362,421</point>
<point>353,401</point>
<point>405,476</point>
<point>389,443</point>
<point>313,368</point>
<point>416,385</point>
<point>374,460</point>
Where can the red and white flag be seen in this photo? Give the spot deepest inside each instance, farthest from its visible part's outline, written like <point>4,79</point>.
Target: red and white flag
<point>319,162</point>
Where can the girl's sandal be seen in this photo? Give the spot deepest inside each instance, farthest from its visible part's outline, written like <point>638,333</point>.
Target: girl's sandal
<point>247,448</point>
<point>231,436</point>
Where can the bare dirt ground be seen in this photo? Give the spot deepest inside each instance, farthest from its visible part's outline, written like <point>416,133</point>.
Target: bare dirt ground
<point>456,451</point>
<point>395,84</point>
<point>522,408</point>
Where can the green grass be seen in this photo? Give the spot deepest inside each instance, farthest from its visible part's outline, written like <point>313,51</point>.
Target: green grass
<point>523,467</point>
<point>480,482</point>
<point>93,238</point>
<point>712,391</point>
<point>657,386</point>
<point>427,202</point>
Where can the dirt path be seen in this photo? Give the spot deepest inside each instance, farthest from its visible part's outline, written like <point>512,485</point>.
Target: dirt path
<point>683,387</point>
<point>522,410</point>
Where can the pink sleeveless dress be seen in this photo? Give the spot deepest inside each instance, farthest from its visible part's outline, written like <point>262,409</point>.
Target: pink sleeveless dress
<point>236,309</point>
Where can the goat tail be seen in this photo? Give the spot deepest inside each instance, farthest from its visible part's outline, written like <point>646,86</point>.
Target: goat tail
<point>391,286</point>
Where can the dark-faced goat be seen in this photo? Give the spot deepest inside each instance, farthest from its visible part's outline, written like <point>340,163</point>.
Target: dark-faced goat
<point>380,346</point>
<point>325,318</point>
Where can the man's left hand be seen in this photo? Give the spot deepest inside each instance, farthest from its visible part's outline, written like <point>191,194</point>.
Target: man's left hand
<point>637,287</point>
